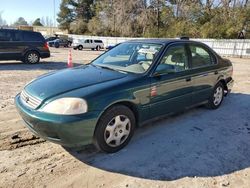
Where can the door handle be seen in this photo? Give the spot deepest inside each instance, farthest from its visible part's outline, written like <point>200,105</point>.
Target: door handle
<point>188,79</point>
<point>216,72</point>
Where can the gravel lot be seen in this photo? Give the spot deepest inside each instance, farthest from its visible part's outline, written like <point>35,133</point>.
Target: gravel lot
<point>198,148</point>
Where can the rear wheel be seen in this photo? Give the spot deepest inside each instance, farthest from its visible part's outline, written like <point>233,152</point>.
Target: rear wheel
<point>80,47</point>
<point>98,48</point>
<point>32,57</point>
<point>217,96</point>
<point>114,129</point>
<point>57,45</point>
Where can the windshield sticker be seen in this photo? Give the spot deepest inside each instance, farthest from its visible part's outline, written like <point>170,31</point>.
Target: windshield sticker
<point>147,51</point>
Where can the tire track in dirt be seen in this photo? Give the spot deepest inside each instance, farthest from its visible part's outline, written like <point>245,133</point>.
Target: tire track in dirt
<point>19,139</point>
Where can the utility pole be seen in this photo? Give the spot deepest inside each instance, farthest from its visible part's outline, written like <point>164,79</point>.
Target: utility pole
<point>54,13</point>
<point>158,18</point>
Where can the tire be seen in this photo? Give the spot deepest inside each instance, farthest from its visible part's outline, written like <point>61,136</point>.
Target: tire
<point>114,129</point>
<point>57,45</point>
<point>80,47</point>
<point>32,57</point>
<point>98,48</point>
<point>75,48</point>
<point>216,97</point>
<point>92,49</point>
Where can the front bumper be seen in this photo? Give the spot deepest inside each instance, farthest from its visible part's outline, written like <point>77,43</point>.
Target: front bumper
<point>230,84</point>
<point>45,54</point>
<point>75,45</point>
<point>66,130</point>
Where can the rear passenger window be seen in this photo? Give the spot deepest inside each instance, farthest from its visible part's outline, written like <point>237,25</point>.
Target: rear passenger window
<point>30,36</point>
<point>175,59</point>
<point>200,56</point>
<point>17,36</point>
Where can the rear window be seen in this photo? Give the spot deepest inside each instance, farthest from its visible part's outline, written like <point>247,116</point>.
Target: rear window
<point>201,56</point>
<point>32,36</point>
<point>97,41</point>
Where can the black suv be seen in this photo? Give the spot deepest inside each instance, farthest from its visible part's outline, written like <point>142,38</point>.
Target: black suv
<point>27,46</point>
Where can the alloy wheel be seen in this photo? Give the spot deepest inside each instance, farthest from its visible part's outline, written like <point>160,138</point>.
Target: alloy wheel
<point>218,95</point>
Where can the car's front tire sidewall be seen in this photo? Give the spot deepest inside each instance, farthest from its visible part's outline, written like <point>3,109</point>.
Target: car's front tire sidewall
<point>103,122</point>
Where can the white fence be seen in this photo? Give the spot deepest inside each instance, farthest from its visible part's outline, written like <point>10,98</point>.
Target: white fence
<point>224,47</point>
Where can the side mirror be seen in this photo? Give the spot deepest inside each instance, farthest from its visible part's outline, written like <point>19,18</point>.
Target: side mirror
<point>164,71</point>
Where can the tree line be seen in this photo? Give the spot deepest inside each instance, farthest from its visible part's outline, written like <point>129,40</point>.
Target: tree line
<point>44,21</point>
<point>156,18</point>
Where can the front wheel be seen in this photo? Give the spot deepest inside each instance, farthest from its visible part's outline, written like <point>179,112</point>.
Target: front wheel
<point>217,96</point>
<point>32,57</point>
<point>114,129</point>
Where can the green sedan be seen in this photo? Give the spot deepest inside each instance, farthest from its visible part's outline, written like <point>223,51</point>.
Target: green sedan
<point>133,83</point>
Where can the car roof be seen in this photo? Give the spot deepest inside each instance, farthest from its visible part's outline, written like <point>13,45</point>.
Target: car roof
<point>19,30</point>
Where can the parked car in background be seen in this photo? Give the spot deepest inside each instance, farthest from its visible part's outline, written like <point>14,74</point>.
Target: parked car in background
<point>27,46</point>
<point>49,39</point>
<point>109,47</point>
<point>59,43</point>
<point>129,85</point>
<point>87,44</point>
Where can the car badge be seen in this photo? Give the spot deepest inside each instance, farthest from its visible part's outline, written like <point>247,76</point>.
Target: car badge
<point>153,91</point>
<point>27,99</point>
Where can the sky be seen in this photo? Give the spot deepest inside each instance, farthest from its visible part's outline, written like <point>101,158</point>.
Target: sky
<point>28,9</point>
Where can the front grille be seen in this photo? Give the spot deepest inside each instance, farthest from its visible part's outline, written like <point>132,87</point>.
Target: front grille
<point>29,100</point>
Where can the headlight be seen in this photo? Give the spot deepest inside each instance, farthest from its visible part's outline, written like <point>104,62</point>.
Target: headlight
<point>66,106</point>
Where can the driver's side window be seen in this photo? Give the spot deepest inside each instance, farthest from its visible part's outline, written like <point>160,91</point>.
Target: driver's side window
<point>174,60</point>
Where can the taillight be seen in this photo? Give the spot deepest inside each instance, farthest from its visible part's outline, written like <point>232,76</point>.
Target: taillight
<point>46,46</point>
<point>231,70</point>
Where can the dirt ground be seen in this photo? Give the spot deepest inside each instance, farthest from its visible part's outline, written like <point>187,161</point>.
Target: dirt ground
<point>198,148</point>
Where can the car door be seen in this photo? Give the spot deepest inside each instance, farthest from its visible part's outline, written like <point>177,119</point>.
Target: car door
<point>171,83</point>
<point>6,45</point>
<point>3,42</point>
<point>87,44</point>
<point>204,72</point>
<point>18,45</point>
<point>92,44</point>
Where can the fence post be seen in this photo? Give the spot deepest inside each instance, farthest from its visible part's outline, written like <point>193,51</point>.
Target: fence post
<point>241,53</point>
<point>234,50</point>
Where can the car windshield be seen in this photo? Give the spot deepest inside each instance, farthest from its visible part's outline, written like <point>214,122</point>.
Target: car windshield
<point>129,57</point>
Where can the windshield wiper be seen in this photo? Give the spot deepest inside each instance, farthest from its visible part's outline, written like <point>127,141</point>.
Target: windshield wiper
<point>111,68</point>
<point>107,67</point>
<point>94,65</point>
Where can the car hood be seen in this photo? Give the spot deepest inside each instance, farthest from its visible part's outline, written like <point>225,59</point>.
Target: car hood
<point>60,82</point>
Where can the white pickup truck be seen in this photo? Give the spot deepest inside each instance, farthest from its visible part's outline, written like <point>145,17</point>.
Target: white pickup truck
<point>93,44</point>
